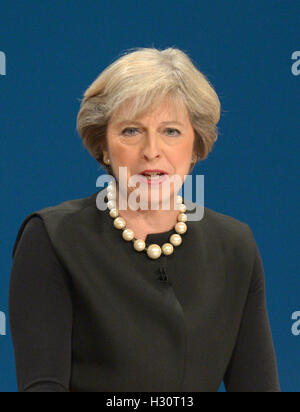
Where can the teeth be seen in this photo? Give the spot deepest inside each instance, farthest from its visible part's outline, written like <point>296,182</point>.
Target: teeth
<point>154,176</point>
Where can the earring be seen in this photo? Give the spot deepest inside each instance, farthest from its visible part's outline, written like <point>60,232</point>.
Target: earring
<point>107,161</point>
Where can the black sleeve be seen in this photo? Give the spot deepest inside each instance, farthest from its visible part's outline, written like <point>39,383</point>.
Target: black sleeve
<point>40,313</point>
<point>253,366</point>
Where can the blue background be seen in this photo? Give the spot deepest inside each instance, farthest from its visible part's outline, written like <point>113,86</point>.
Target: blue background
<point>55,49</point>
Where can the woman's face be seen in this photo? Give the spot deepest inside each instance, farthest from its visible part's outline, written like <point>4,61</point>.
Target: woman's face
<point>163,138</point>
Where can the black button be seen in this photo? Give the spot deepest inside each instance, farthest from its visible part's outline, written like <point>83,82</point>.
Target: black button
<point>163,276</point>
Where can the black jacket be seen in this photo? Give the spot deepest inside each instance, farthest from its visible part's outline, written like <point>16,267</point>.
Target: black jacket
<point>89,313</point>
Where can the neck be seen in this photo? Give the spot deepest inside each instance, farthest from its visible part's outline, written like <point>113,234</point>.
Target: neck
<point>148,221</point>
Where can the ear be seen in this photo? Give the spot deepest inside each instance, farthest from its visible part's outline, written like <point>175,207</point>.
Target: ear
<point>194,159</point>
<point>105,154</point>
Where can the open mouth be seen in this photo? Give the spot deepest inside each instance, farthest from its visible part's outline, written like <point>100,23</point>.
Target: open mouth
<point>153,178</point>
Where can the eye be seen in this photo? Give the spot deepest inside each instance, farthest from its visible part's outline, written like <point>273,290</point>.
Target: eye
<point>130,129</point>
<point>171,129</point>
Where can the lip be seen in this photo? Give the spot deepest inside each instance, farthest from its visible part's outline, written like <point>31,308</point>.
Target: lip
<point>153,171</point>
<point>159,181</point>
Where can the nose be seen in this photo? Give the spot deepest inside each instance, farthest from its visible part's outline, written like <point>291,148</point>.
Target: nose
<point>151,148</point>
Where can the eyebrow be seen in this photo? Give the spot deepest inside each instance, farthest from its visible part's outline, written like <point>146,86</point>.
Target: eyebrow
<point>126,121</point>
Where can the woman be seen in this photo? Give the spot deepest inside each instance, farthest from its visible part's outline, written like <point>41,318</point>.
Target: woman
<point>141,299</point>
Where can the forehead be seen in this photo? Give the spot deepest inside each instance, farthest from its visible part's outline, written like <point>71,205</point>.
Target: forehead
<point>165,110</point>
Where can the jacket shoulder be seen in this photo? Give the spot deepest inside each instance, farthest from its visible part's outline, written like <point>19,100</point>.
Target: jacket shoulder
<point>67,207</point>
<point>225,223</point>
<point>215,219</point>
<point>231,233</point>
<point>57,213</point>
<point>235,236</point>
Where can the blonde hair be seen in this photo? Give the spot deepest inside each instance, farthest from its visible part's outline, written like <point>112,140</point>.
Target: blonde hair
<point>148,75</point>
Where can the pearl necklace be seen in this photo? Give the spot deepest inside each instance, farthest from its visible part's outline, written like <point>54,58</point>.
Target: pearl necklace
<point>154,251</point>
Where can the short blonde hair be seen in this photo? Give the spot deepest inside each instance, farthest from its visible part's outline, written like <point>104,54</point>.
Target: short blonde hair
<point>148,75</point>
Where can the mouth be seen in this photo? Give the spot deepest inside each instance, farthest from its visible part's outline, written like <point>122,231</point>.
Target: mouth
<point>153,178</point>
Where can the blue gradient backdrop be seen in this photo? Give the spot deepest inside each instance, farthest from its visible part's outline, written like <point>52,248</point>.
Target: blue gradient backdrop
<point>55,49</point>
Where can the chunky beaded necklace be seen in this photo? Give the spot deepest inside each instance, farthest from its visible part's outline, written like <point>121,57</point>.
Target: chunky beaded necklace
<point>154,251</point>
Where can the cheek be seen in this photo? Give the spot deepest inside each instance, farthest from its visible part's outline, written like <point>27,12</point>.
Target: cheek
<point>124,157</point>
<point>182,157</point>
